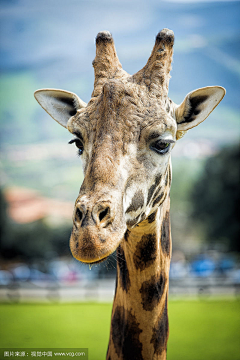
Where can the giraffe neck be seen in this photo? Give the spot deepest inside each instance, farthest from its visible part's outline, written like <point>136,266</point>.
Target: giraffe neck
<point>139,324</point>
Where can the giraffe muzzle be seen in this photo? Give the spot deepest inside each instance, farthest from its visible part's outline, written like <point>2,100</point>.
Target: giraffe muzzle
<point>95,233</point>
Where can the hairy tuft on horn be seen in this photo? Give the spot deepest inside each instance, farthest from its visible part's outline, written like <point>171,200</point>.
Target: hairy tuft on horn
<point>156,73</point>
<point>106,63</point>
<point>165,36</point>
<point>104,36</point>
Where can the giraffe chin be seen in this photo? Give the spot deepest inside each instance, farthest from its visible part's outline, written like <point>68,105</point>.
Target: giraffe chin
<point>98,261</point>
<point>87,261</point>
<point>93,250</point>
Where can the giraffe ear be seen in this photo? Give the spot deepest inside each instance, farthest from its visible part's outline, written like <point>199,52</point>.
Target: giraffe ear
<point>59,104</point>
<point>197,105</point>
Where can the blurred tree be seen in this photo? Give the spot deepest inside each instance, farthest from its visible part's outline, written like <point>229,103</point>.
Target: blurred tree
<point>3,218</point>
<point>37,240</point>
<point>31,241</point>
<point>216,197</point>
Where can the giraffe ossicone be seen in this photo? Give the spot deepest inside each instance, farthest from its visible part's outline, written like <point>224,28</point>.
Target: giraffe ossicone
<point>125,135</point>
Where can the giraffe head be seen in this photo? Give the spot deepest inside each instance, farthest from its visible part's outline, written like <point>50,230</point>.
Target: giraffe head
<point>124,136</point>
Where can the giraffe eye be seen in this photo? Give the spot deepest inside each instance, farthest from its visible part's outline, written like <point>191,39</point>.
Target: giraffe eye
<point>160,147</point>
<point>78,144</point>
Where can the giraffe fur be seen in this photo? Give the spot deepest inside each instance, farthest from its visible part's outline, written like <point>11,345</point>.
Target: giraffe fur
<point>125,135</point>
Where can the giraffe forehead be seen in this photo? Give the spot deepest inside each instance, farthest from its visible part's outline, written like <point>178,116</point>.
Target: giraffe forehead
<point>119,111</point>
<point>126,123</point>
<point>122,111</point>
<point>115,89</point>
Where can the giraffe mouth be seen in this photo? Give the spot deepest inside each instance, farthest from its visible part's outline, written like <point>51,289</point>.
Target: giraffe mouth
<point>92,245</point>
<point>98,261</point>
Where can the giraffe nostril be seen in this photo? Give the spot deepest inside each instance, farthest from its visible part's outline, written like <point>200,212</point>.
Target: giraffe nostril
<point>79,215</point>
<point>103,213</point>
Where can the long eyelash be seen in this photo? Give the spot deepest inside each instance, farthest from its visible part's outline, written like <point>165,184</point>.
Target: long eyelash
<point>79,151</point>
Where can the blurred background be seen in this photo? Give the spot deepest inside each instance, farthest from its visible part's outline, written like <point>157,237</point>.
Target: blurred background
<point>50,43</point>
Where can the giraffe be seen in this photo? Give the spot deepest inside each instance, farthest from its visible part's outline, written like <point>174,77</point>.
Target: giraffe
<point>124,136</point>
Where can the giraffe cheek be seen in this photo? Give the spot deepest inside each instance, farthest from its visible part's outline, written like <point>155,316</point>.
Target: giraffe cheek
<point>134,211</point>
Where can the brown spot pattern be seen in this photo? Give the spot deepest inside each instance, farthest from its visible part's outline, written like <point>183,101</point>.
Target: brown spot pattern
<point>158,199</point>
<point>166,178</point>
<point>125,335</point>
<point>151,291</point>
<point>133,221</point>
<point>165,234</point>
<point>137,202</point>
<point>123,269</point>
<point>152,217</point>
<point>153,187</point>
<point>126,236</point>
<point>150,193</point>
<point>145,253</point>
<point>161,332</point>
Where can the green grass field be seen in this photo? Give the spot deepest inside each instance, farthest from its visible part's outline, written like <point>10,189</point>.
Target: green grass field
<point>198,329</point>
